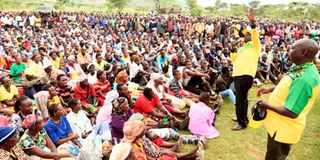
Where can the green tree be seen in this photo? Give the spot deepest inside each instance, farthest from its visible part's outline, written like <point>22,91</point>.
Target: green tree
<point>63,2</point>
<point>191,4</point>
<point>297,10</point>
<point>294,11</point>
<point>197,11</point>
<point>164,3</point>
<point>313,13</point>
<point>238,10</point>
<point>119,4</point>
<point>219,9</point>
<point>1,4</point>
<point>254,4</point>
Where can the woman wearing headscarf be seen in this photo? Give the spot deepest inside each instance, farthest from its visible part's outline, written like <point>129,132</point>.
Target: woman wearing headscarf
<point>173,104</point>
<point>23,108</point>
<point>75,70</point>
<point>9,150</point>
<point>123,78</point>
<point>133,131</point>
<point>35,141</point>
<point>85,92</point>
<point>120,114</point>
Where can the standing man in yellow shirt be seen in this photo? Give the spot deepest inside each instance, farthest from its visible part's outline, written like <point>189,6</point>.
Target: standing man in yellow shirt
<point>245,64</point>
<point>291,100</point>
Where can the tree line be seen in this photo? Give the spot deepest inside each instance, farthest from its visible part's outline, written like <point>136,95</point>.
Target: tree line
<point>291,12</point>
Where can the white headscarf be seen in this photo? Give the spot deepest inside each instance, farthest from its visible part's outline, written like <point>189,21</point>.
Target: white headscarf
<point>153,77</point>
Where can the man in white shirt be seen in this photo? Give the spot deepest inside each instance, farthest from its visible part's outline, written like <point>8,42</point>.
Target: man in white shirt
<point>79,122</point>
<point>137,74</point>
<point>32,20</point>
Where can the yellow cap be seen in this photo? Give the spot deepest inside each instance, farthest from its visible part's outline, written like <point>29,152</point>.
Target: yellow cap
<point>255,124</point>
<point>247,30</point>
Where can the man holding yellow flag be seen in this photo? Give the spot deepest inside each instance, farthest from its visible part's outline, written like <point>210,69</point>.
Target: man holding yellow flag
<point>245,63</point>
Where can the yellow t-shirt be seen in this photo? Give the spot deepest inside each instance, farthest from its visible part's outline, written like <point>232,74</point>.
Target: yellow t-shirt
<point>100,66</point>
<point>5,95</point>
<point>297,95</point>
<point>55,63</point>
<point>37,69</point>
<point>245,61</point>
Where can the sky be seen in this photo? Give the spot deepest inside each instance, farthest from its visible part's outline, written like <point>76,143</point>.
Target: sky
<point>206,3</point>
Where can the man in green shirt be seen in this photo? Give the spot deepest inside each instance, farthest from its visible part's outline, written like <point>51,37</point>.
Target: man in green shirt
<point>291,100</point>
<point>17,69</point>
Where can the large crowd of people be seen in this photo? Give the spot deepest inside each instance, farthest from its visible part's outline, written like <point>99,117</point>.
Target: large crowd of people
<point>129,83</point>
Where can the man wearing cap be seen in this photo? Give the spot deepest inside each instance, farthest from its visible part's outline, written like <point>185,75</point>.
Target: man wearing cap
<point>291,100</point>
<point>245,64</point>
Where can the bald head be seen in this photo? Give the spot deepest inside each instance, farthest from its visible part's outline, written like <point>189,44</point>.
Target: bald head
<point>307,44</point>
<point>303,50</point>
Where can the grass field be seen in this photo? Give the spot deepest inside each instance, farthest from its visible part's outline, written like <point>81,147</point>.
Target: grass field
<point>250,144</point>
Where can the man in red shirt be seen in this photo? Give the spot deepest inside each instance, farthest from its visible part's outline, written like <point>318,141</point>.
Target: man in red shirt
<point>86,94</point>
<point>149,103</point>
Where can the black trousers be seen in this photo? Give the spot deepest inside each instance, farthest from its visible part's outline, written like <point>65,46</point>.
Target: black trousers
<point>277,150</point>
<point>138,79</point>
<point>195,85</point>
<point>242,85</point>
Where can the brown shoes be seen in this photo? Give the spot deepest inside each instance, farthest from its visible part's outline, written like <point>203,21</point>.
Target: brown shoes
<point>238,127</point>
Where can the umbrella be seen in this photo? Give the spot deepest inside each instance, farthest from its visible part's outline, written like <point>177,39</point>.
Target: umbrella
<point>44,8</point>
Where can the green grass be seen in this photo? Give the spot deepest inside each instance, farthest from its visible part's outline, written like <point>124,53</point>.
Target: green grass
<point>250,144</point>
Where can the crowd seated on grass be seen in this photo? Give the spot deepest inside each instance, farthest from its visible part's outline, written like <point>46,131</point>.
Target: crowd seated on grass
<point>127,83</point>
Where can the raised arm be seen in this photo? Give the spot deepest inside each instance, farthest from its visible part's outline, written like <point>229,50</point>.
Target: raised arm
<point>254,32</point>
